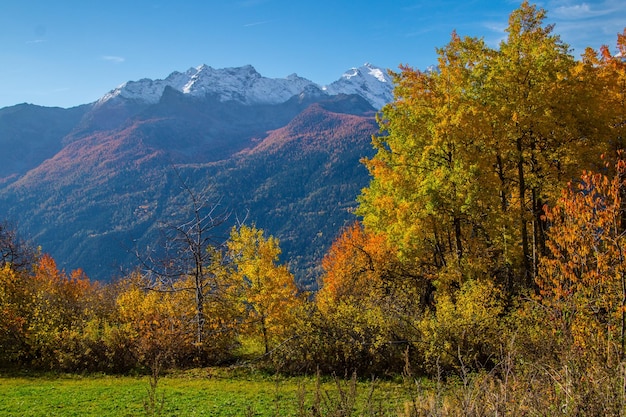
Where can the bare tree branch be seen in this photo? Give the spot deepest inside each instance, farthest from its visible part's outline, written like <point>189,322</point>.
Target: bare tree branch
<point>189,250</point>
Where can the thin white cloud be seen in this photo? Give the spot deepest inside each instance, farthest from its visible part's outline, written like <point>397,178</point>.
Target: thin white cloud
<point>34,41</point>
<point>575,11</point>
<point>587,23</point>
<point>583,10</point>
<point>113,58</point>
<point>263,22</point>
<point>494,26</point>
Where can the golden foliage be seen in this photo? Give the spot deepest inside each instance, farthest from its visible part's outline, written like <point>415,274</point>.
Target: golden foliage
<point>269,291</point>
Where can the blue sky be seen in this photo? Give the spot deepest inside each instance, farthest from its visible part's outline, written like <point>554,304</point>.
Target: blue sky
<point>70,52</point>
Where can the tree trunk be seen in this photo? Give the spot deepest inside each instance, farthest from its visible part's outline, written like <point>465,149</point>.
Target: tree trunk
<point>200,310</point>
<point>504,203</point>
<point>526,261</point>
<point>457,238</point>
<point>264,330</point>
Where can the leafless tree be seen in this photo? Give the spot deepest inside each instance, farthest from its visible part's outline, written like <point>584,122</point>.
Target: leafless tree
<point>189,249</point>
<point>14,251</point>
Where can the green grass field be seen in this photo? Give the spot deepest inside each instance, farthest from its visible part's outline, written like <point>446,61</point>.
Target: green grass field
<point>200,392</point>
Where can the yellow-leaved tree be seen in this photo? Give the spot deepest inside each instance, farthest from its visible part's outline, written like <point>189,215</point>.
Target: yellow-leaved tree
<point>470,152</point>
<point>428,192</point>
<point>14,307</point>
<point>269,291</point>
<point>540,122</point>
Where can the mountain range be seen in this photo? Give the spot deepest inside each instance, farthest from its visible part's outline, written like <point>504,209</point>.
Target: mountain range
<point>94,184</point>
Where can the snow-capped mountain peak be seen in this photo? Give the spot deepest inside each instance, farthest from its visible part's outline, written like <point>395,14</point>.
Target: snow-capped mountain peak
<point>371,82</point>
<point>246,85</point>
<point>370,70</point>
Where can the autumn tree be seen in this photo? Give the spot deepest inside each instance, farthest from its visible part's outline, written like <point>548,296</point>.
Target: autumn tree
<point>14,297</point>
<point>605,71</point>
<point>155,323</point>
<point>583,280</point>
<point>426,189</point>
<point>540,121</point>
<point>55,309</point>
<point>269,291</point>
<point>369,303</point>
<point>361,264</point>
<point>470,152</point>
<point>54,320</point>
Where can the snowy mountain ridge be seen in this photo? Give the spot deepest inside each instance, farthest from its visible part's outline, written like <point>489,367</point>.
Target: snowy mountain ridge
<point>246,85</point>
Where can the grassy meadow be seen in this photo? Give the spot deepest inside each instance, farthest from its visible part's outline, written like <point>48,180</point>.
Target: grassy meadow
<point>199,392</point>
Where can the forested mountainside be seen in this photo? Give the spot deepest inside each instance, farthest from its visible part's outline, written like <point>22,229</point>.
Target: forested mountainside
<point>98,180</point>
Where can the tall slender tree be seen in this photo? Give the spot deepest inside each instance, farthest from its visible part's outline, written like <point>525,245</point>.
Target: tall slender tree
<point>534,105</point>
<point>426,190</point>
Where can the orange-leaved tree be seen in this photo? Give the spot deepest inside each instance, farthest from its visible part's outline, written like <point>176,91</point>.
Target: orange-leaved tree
<point>59,307</point>
<point>583,280</point>
<point>369,303</point>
